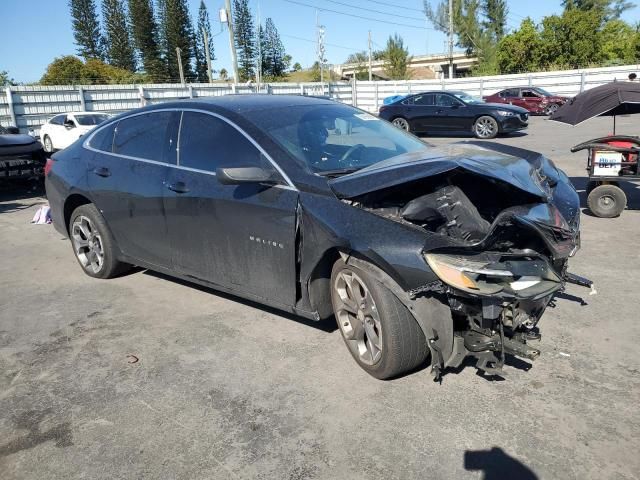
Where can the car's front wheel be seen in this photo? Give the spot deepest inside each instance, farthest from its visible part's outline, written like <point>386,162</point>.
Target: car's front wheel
<point>380,333</point>
<point>485,127</point>
<point>47,144</point>
<point>402,123</point>
<point>93,244</point>
<point>551,109</point>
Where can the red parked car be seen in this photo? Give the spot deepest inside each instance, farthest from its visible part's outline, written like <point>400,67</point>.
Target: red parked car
<point>535,99</point>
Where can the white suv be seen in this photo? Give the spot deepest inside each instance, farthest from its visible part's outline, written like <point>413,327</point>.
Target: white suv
<point>62,130</point>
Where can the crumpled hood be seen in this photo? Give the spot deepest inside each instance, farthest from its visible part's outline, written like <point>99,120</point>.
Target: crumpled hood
<point>554,205</point>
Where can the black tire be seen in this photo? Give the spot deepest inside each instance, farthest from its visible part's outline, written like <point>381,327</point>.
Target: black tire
<point>551,109</point>
<point>47,144</point>
<point>486,127</point>
<point>82,218</point>
<point>402,123</point>
<point>607,201</point>
<point>403,345</point>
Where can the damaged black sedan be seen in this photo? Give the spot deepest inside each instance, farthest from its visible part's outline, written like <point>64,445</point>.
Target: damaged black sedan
<point>323,210</point>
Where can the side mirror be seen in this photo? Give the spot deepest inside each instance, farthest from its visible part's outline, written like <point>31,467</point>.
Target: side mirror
<point>69,124</point>
<point>240,175</point>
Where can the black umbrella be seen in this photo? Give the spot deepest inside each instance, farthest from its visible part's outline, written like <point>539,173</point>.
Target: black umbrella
<point>617,98</point>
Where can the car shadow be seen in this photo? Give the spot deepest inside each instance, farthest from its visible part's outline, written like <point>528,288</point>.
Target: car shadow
<point>328,325</point>
<point>496,464</point>
<point>630,189</point>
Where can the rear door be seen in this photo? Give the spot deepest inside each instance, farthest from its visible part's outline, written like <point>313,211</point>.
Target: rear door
<point>56,131</point>
<point>423,114</point>
<point>238,236</point>
<point>531,99</point>
<point>512,96</point>
<point>127,176</point>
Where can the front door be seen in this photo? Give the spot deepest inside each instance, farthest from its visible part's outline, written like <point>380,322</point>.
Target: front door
<point>127,176</point>
<point>238,236</point>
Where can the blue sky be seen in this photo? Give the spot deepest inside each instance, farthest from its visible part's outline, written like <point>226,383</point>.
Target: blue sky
<point>31,37</point>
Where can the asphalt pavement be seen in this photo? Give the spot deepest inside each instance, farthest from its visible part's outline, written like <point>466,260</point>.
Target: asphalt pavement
<point>148,377</point>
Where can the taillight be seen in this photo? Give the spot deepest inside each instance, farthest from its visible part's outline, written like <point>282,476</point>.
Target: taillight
<point>48,165</point>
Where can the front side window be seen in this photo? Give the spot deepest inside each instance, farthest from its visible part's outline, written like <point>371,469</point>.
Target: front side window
<point>529,94</point>
<point>147,136</point>
<point>444,100</point>
<point>208,142</point>
<point>466,98</point>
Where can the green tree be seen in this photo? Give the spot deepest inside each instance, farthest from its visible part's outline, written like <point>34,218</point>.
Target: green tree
<point>118,46</point>
<point>200,51</point>
<point>396,58</point>
<point>144,31</point>
<point>5,79</point>
<point>178,33</point>
<point>271,51</point>
<point>245,39</point>
<point>70,70</point>
<point>297,67</point>
<point>521,50</point>
<point>224,75</point>
<point>86,29</point>
<point>571,40</point>
<point>495,13</point>
<point>608,9</point>
<point>618,42</point>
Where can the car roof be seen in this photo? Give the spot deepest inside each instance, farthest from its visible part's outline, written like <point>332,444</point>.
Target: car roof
<point>242,103</point>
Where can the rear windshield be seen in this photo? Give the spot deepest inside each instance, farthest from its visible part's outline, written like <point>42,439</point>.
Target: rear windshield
<point>93,119</point>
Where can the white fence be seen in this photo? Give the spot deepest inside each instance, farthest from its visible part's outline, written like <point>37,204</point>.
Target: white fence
<point>28,107</point>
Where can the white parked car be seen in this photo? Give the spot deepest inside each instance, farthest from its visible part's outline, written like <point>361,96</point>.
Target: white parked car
<point>62,130</point>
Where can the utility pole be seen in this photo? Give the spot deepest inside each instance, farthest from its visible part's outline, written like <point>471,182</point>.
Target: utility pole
<point>206,52</point>
<point>178,55</point>
<point>370,75</point>
<point>321,60</point>
<point>450,39</point>
<point>232,44</point>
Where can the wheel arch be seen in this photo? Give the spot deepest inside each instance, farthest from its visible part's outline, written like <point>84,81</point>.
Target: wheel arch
<point>72,202</point>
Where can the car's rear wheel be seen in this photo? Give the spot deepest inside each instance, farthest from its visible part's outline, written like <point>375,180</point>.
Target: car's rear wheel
<point>93,244</point>
<point>47,144</point>
<point>485,127</point>
<point>551,109</point>
<point>402,123</point>
<point>380,333</point>
<point>607,201</point>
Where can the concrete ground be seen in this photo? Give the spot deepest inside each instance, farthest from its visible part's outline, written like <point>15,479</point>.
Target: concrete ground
<point>228,389</point>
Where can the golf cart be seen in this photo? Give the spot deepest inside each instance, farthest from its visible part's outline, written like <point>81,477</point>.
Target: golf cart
<point>610,159</point>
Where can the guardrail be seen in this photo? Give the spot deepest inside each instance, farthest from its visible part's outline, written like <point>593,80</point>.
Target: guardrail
<point>28,107</point>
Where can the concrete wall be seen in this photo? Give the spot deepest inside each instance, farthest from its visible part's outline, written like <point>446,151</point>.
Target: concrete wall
<point>28,107</point>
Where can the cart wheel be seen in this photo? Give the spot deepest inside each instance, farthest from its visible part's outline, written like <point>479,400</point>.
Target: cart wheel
<point>607,201</point>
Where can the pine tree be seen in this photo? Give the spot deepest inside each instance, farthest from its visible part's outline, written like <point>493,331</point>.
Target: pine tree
<point>86,29</point>
<point>244,39</point>
<point>144,31</point>
<point>178,32</point>
<point>118,47</point>
<point>495,12</point>
<point>200,50</point>
<point>273,53</point>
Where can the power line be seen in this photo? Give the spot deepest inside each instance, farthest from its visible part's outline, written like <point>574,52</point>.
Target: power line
<point>375,11</point>
<point>328,44</point>
<point>387,4</point>
<point>357,16</point>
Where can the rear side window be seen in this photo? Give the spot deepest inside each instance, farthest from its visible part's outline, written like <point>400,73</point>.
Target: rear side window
<point>103,138</point>
<point>58,119</point>
<point>207,142</point>
<point>424,100</point>
<point>148,136</point>
<point>513,92</point>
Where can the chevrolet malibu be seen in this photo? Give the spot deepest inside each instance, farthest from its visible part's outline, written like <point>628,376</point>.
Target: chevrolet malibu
<point>324,210</point>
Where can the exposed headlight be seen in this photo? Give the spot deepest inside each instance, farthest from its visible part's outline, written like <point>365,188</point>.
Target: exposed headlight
<point>505,113</point>
<point>485,277</point>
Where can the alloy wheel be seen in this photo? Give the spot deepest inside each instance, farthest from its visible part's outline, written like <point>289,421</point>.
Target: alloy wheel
<point>48,146</point>
<point>551,109</point>
<point>401,123</point>
<point>358,317</point>
<point>486,127</point>
<point>87,244</point>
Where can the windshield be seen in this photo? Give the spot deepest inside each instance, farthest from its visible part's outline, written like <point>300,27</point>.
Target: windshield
<point>92,119</point>
<point>466,98</point>
<point>335,138</point>
<point>542,91</point>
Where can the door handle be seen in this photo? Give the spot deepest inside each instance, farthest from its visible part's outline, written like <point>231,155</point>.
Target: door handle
<point>102,172</point>
<point>178,187</point>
